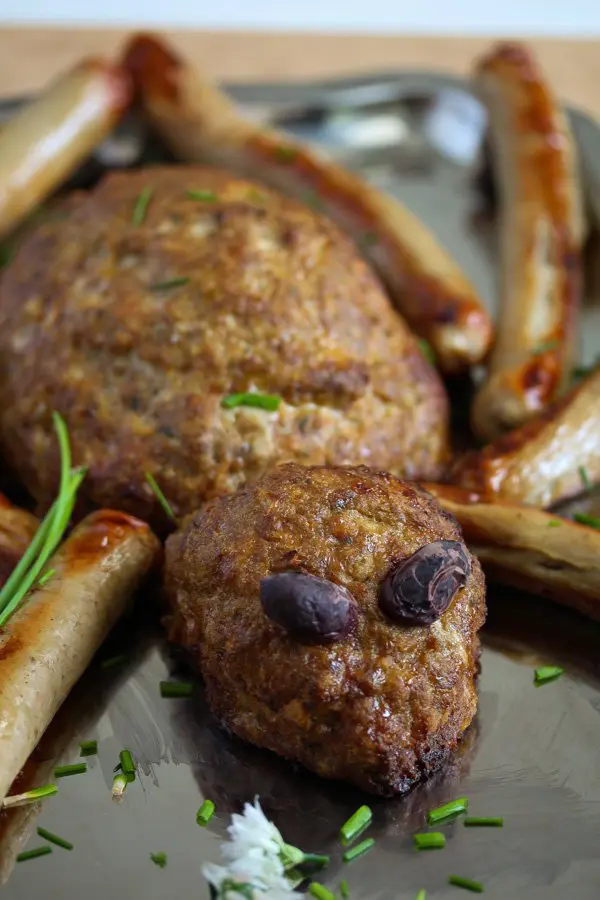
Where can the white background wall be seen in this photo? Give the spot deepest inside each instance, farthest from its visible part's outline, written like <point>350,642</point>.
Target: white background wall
<point>543,17</point>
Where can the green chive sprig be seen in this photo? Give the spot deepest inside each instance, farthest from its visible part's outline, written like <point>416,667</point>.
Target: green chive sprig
<point>29,797</point>
<point>448,811</point>
<point>112,662</point>
<point>33,854</point>
<point>45,577</point>
<point>73,769</point>
<point>422,895</point>
<point>49,535</point>
<point>54,839</point>
<point>429,840</point>
<point>590,521</point>
<point>356,824</point>
<point>467,883</point>
<point>169,283</point>
<point>554,523</point>
<point>270,402</point>
<point>176,689</point>
<point>320,891</point>
<point>126,762</point>
<point>286,154</point>
<point>159,859</point>
<point>119,786</point>
<point>546,674</point>
<point>315,860</point>
<point>427,351</point>
<point>160,496</point>
<point>546,347</point>
<point>141,206</point>
<point>484,822</point>
<point>88,748</point>
<point>344,889</point>
<point>205,813</point>
<point>585,478</point>
<point>204,196</point>
<point>358,850</point>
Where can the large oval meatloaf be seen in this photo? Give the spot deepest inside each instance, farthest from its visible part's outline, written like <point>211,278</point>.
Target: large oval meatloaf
<point>162,291</point>
<point>374,697</point>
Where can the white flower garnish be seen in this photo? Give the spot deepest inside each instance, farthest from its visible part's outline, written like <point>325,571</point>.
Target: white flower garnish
<point>256,858</point>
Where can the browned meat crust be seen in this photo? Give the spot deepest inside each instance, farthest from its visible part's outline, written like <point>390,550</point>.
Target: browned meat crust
<point>17,528</point>
<point>276,300</point>
<point>381,707</point>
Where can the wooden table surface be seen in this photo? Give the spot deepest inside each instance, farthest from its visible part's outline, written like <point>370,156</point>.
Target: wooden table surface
<point>29,57</point>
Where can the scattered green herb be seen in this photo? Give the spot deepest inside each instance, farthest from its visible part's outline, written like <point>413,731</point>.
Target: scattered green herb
<point>356,824</point>
<point>205,813</point>
<point>33,854</point>
<point>545,347</point>
<point>369,239</point>
<point>430,840</point>
<point>315,860</point>
<point>320,891</point>
<point>590,521</point>
<point>74,769</point>
<point>554,523</point>
<point>176,689</point>
<point>344,889</point>
<point>113,661</point>
<point>585,478</point>
<point>230,886</point>
<point>126,762</point>
<point>270,402</point>
<point>159,859</point>
<point>206,196</point>
<point>484,822</point>
<point>29,796</point>
<point>170,283</point>
<point>448,811</point>
<point>7,253</point>
<point>45,577</point>
<point>545,674</point>
<point>466,883</point>
<point>358,850</point>
<point>141,206</point>
<point>422,895</point>
<point>54,839</point>
<point>88,748</point>
<point>286,154</point>
<point>314,200</point>
<point>427,351</point>
<point>160,496</point>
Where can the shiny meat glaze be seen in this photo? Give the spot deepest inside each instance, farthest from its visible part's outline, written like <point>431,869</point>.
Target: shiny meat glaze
<point>277,301</point>
<point>381,707</point>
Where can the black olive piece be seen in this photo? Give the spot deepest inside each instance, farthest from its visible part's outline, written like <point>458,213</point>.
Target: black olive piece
<point>418,590</point>
<point>309,608</point>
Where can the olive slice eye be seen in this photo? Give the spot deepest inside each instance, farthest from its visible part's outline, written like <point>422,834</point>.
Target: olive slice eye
<point>419,589</point>
<point>309,608</point>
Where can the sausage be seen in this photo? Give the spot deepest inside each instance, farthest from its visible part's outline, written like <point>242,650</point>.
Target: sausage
<point>200,124</point>
<point>545,461</point>
<point>541,231</point>
<point>48,643</point>
<point>17,527</point>
<point>42,145</point>
<point>525,548</point>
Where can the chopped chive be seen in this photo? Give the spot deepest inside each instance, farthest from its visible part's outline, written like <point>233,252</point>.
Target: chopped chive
<point>484,822</point>
<point>545,674</point>
<point>170,283</point>
<point>126,762</point>
<point>358,850</point>
<point>160,496</point>
<point>427,351</point>
<point>54,839</point>
<point>290,856</point>
<point>422,895</point>
<point>7,253</point>
<point>119,786</point>
<point>45,577</point>
<point>318,860</point>
<point>159,859</point>
<point>205,813</point>
<point>286,154</point>
<point>88,748</point>
<point>141,206</point>
<point>466,883</point>
<point>448,810</point>
<point>320,891</point>
<point>176,689</point>
<point>344,889</point>
<point>554,523</point>
<point>369,239</point>
<point>33,854</point>
<point>113,661</point>
<point>29,796</point>
<point>74,769</point>
<point>545,347</point>
<point>585,478</point>
<point>357,822</point>
<point>429,840</point>
<point>313,200</point>
<point>270,402</point>
<point>590,521</point>
<point>207,196</point>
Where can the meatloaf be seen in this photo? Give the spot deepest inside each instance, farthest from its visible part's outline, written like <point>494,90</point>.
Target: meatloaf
<point>151,298</point>
<point>378,698</point>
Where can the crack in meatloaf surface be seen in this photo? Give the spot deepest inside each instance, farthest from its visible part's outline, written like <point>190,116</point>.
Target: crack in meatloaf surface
<point>134,328</point>
<point>381,707</point>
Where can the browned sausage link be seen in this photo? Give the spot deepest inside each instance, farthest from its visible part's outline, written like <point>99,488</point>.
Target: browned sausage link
<point>50,640</point>
<point>200,124</point>
<point>42,145</point>
<point>525,548</point>
<point>17,527</point>
<point>545,461</point>
<point>541,227</point>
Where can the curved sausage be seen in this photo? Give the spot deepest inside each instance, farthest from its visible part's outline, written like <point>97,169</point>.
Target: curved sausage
<point>542,227</point>
<point>48,643</point>
<point>41,146</point>
<point>545,461</point>
<point>200,124</point>
<point>529,549</point>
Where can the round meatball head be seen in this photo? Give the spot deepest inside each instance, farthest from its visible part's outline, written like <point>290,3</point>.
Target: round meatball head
<point>333,613</point>
<point>163,291</point>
